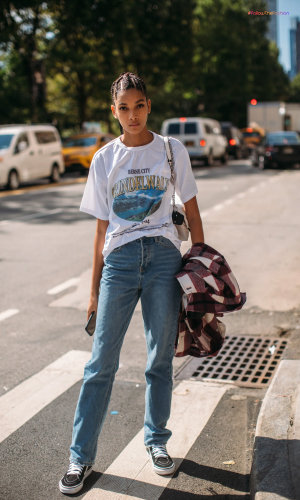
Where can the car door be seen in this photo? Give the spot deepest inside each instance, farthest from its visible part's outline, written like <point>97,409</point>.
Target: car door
<point>24,157</point>
<point>44,142</point>
<point>219,140</point>
<point>191,133</point>
<point>209,139</point>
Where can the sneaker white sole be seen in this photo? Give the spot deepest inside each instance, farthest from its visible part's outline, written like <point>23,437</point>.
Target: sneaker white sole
<point>161,472</point>
<point>74,489</point>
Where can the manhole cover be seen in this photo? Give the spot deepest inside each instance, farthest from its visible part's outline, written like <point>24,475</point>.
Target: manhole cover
<point>245,361</point>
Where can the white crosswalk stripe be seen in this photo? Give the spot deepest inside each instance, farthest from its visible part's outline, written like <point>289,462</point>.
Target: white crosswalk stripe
<point>8,313</point>
<point>31,396</point>
<point>131,476</point>
<point>63,286</point>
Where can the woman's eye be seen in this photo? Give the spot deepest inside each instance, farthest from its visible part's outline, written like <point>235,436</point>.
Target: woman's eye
<point>141,105</point>
<point>122,108</point>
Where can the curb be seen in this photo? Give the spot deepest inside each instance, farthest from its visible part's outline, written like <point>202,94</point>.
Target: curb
<point>275,472</point>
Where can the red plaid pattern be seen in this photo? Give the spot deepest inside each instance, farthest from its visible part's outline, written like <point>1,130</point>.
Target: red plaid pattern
<point>209,290</point>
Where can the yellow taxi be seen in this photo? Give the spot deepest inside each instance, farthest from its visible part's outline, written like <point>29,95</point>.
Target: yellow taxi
<point>253,135</point>
<point>78,150</point>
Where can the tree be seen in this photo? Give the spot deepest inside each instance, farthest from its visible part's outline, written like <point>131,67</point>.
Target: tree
<point>295,89</point>
<point>234,61</point>
<point>23,34</point>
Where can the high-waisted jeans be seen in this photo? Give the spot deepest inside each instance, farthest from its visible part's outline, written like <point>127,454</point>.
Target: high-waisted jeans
<point>144,268</point>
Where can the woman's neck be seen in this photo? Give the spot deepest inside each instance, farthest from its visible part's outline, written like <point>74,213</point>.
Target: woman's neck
<point>136,140</point>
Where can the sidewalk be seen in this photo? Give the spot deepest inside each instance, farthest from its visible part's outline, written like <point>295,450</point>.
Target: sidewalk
<point>275,470</point>
<point>259,234</point>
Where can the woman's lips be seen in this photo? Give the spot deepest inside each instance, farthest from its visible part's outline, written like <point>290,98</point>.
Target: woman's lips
<point>134,125</point>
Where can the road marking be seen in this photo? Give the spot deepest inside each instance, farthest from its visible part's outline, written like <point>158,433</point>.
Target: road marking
<point>201,173</point>
<point>219,206</point>
<point>64,286</point>
<point>131,476</point>
<point>24,401</point>
<point>229,201</point>
<point>239,196</point>
<point>31,216</point>
<point>8,313</point>
<point>80,180</point>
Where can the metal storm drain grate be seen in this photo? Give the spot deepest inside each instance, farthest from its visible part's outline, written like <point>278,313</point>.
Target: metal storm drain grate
<point>245,361</point>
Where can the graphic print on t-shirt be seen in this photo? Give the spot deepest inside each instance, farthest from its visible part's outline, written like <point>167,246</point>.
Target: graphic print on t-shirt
<point>138,197</point>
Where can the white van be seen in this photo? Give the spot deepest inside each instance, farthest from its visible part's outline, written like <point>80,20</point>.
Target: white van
<point>201,136</point>
<point>29,152</point>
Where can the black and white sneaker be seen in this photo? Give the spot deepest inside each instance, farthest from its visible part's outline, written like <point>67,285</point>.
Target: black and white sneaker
<point>162,463</point>
<point>72,481</point>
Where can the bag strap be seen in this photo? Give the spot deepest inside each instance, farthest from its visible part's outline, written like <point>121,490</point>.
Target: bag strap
<point>170,159</point>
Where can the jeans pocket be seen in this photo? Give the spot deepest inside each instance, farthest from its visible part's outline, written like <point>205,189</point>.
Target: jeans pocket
<point>117,249</point>
<point>165,242</point>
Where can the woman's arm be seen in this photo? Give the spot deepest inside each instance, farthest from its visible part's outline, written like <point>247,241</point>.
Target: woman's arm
<point>98,264</point>
<point>195,222</point>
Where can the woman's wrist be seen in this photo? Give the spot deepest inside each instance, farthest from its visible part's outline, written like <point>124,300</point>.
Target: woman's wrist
<point>93,294</point>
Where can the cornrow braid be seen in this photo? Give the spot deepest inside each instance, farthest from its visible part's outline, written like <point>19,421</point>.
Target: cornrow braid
<point>127,81</point>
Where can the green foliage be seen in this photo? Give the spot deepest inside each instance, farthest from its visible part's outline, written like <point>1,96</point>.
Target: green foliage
<point>235,62</point>
<point>295,89</point>
<point>198,58</point>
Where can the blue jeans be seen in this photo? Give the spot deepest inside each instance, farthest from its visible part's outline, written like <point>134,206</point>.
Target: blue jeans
<point>144,268</point>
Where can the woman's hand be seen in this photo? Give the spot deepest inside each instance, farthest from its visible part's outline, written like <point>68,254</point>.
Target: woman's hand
<point>98,263</point>
<point>93,304</point>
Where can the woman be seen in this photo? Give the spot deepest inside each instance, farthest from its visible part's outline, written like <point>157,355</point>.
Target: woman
<point>136,256</point>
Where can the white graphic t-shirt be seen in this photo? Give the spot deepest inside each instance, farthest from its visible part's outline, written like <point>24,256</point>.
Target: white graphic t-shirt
<point>130,187</point>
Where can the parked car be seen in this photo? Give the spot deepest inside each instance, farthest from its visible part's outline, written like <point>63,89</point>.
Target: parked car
<point>201,136</point>
<point>236,144</point>
<point>29,152</point>
<point>78,150</point>
<point>277,149</point>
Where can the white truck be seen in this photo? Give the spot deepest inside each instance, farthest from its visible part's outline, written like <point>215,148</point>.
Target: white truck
<point>275,116</point>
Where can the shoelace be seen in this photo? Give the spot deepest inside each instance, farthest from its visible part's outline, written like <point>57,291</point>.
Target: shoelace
<point>159,451</point>
<point>74,469</point>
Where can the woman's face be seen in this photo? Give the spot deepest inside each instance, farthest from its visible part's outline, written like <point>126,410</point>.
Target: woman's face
<point>131,109</point>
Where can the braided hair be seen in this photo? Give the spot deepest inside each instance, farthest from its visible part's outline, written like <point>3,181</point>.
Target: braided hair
<point>127,81</point>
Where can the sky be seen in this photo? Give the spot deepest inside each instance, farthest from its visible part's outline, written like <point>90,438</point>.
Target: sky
<point>283,29</point>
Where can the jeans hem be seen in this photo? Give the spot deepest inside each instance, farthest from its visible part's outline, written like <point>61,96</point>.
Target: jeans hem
<point>155,444</point>
<point>73,461</point>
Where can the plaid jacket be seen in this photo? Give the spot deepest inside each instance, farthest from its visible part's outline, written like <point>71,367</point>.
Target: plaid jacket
<point>209,289</point>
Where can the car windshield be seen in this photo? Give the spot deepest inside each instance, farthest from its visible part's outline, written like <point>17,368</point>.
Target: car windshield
<point>80,142</point>
<point>5,140</point>
<point>251,134</point>
<point>278,139</point>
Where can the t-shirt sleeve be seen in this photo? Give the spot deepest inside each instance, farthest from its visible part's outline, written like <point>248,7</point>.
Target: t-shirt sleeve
<point>185,184</point>
<point>94,200</point>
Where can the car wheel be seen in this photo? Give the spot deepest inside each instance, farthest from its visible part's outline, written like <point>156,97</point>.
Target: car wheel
<point>224,158</point>
<point>55,175</point>
<point>209,161</point>
<point>13,180</point>
<point>253,160</point>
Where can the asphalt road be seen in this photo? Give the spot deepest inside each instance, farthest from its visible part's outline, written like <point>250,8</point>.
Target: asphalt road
<point>45,242</point>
